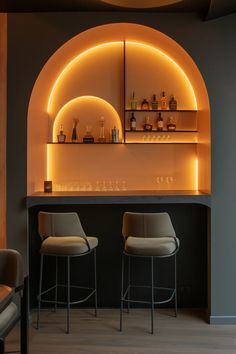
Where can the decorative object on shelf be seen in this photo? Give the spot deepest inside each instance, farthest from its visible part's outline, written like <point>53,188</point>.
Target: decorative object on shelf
<point>160,122</point>
<point>171,124</point>
<point>163,101</point>
<point>172,103</point>
<point>102,138</point>
<point>154,103</point>
<point>133,102</point>
<point>133,123</point>
<point>147,126</point>
<point>145,104</point>
<point>61,137</point>
<point>115,135</point>
<point>88,138</point>
<point>47,186</point>
<point>74,135</point>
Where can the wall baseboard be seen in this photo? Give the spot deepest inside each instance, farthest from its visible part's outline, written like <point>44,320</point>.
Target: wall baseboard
<point>222,320</point>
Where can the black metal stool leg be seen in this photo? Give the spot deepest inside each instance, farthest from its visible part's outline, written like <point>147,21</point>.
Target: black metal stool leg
<point>175,285</point>
<point>68,295</point>
<point>95,283</point>
<point>152,296</point>
<point>122,292</point>
<point>128,303</point>
<point>56,281</point>
<point>40,288</point>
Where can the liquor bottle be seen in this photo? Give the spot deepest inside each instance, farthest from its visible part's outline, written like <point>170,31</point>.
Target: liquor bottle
<point>115,135</point>
<point>154,103</point>
<point>61,137</point>
<point>160,122</point>
<point>133,122</point>
<point>147,126</point>
<point>163,101</point>
<point>88,138</point>
<point>101,137</point>
<point>133,102</point>
<point>74,135</point>
<point>171,125</point>
<point>172,103</point>
<point>145,105</point>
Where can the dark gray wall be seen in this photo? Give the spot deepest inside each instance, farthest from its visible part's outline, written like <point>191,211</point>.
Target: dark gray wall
<point>212,45</point>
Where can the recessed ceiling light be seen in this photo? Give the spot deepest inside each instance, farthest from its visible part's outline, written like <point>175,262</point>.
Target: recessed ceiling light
<point>140,4</point>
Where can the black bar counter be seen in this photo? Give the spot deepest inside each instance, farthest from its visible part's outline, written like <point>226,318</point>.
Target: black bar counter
<point>120,197</point>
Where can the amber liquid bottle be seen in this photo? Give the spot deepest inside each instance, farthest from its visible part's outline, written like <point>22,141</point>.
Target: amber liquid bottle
<point>145,105</point>
<point>163,101</point>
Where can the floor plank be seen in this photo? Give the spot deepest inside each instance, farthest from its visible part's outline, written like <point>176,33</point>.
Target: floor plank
<point>186,334</point>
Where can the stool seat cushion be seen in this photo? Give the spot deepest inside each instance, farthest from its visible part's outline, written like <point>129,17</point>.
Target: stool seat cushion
<point>159,246</point>
<point>8,317</point>
<point>67,245</point>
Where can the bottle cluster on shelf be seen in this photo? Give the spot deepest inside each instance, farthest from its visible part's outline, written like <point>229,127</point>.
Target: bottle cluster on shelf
<point>163,103</point>
<point>88,138</point>
<point>157,124</point>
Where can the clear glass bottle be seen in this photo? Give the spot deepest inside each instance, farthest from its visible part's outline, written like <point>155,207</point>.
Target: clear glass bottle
<point>133,122</point>
<point>115,135</point>
<point>154,103</point>
<point>163,101</point>
<point>133,102</point>
<point>61,137</point>
<point>160,123</point>
<point>102,137</point>
<point>147,126</point>
<point>88,138</point>
<point>145,105</point>
<point>172,103</point>
<point>171,124</point>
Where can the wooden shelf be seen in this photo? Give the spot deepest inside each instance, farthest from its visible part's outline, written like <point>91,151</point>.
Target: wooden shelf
<point>161,110</point>
<point>81,143</point>
<point>160,131</point>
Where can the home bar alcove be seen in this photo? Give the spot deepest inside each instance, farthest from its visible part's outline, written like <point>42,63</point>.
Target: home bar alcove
<point>93,75</point>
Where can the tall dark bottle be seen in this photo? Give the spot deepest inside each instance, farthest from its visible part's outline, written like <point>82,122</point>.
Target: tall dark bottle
<point>133,122</point>
<point>160,122</point>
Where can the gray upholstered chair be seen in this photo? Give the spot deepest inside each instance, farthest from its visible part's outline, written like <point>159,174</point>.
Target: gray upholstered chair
<point>13,282</point>
<point>63,236</point>
<point>148,235</point>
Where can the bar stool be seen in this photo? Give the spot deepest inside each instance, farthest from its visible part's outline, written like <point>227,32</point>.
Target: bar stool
<point>63,236</point>
<point>152,236</point>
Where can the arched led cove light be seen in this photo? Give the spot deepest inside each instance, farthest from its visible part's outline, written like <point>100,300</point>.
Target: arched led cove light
<point>141,4</point>
<point>107,45</point>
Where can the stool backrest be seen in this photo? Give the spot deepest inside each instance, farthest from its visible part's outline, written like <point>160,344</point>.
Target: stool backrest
<point>147,225</point>
<point>59,224</point>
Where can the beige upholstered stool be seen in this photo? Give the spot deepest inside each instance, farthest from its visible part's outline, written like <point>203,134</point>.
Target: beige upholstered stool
<point>148,235</point>
<point>63,236</point>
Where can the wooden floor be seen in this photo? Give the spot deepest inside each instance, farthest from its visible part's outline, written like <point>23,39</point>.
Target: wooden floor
<point>186,334</point>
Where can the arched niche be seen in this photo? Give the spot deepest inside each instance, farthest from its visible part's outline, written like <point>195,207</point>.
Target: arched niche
<point>92,64</point>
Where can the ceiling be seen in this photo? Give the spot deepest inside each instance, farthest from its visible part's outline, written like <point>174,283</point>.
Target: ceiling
<point>207,9</point>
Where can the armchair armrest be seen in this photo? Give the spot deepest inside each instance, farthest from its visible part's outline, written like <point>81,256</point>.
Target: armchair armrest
<point>11,268</point>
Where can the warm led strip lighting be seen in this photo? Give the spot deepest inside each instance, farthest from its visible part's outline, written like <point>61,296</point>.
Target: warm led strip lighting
<point>98,101</point>
<point>68,66</point>
<point>196,171</point>
<point>90,50</point>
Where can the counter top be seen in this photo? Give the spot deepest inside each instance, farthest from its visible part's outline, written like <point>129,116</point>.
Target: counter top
<point>120,197</point>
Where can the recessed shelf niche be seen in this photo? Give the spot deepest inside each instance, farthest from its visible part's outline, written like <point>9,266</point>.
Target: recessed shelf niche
<point>98,64</point>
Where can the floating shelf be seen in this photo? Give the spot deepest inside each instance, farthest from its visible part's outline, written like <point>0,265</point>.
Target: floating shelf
<point>161,110</point>
<point>81,143</point>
